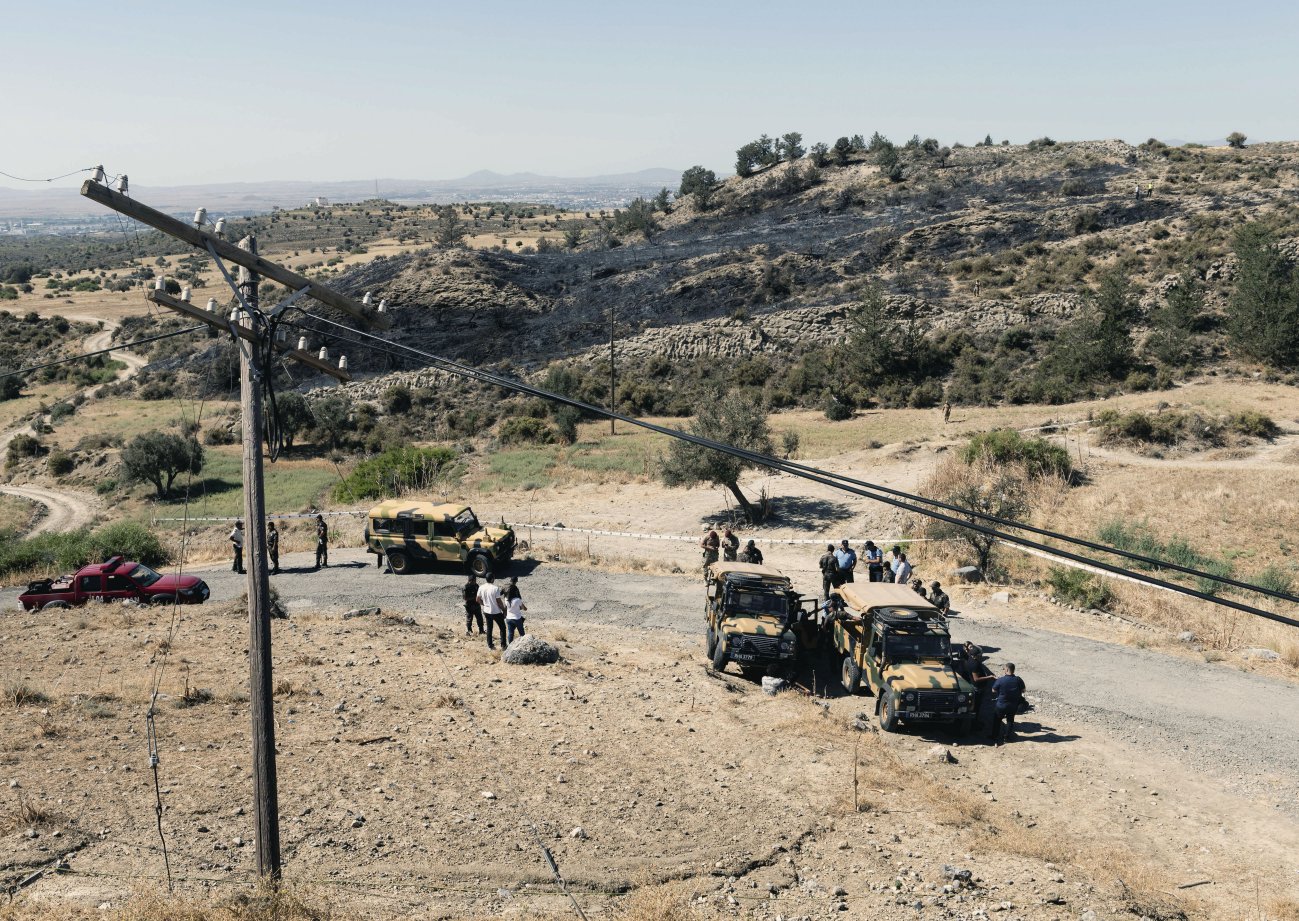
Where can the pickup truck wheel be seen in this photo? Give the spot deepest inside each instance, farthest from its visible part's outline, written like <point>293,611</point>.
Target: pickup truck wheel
<point>480,564</point>
<point>712,642</point>
<point>719,655</point>
<point>160,600</point>
<point>850,675</point>
<point>888,715</point>
<point>399,562</point>
<point>54,605</point>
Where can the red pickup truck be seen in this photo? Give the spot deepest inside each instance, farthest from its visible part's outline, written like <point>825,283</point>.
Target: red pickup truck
<point>114,579</point>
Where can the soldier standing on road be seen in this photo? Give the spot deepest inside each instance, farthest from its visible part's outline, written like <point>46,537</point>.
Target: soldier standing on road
<point>829,571</point>
<point>322,542</point>
<point>273,547</point>
<point>730,544</point>
<point>938,598</point>
<point>847,559</point>
<point>493,607</point>
<point>473,610</point>
<point>874,561</point>
<point>1007,695</point>
<point>710,543</point>
<point>947,412</point>
<point>237,545</point>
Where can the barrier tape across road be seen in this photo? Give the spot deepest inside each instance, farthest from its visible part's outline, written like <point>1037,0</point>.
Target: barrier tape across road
<point>769,541</point>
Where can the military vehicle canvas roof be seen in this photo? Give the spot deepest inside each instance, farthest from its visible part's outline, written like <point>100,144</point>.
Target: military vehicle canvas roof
<point>405,508</point>
<point>863,596</point>
<point>747,570</point>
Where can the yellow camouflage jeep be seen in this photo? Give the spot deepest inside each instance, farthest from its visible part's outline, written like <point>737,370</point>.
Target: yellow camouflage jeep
<point>899,645</point>
<point>751,612</point>
<point>418,534</point>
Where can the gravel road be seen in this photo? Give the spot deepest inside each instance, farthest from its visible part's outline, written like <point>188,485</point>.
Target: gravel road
<point>64,510</point>
<point>1240,728</point>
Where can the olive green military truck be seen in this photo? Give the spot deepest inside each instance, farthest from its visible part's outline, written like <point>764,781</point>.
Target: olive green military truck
<point>419,534</point>
<point>898,645</point>
<point>752,613</point>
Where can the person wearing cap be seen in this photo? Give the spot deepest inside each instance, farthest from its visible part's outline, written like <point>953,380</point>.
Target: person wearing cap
<point>919,588</point>
<point>751,554</point>
<point>829,567</point>
<point>938,598</point>
<point>322,542</point>
<point>730,544</point>
<point>236,538</point>
<point>710,543</point>
<point>874,557</point>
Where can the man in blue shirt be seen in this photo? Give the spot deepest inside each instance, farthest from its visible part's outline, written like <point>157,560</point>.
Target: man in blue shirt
<point>1007,695</point>
<point>846,557</point>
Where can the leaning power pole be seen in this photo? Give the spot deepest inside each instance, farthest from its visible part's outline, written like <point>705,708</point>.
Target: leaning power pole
<point>249,328</point>
<point>266,810</point>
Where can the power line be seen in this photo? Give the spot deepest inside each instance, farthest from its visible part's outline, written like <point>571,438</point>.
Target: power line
<point>87,169</point>
<point>115,348</point>
<point>826,478</point>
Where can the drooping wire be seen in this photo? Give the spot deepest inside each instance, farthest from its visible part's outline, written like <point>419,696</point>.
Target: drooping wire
<point>116,348</point>
<point>87,169</point>
<point>816,475</point>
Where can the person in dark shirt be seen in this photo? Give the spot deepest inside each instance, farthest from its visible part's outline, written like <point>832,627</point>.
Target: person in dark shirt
<point>473,610</point>
<point>938,598</point>
<point>829,567</point>
<point>1007,694</point>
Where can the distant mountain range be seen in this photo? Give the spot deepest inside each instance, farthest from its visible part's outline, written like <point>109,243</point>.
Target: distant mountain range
<point>607,191</point>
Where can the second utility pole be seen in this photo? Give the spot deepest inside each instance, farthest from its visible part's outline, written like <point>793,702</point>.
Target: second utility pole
<point>266,810</point>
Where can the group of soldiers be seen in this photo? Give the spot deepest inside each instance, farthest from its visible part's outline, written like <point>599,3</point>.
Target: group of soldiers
<point>236,538</point>
<point>727,545</point>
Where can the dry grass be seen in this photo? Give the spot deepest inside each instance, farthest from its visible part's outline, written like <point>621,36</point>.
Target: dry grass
<point>27,815</point>
<point>289,902</point>
<point>285,688</point>
<point>21,694</point>
<point>1283,909</point>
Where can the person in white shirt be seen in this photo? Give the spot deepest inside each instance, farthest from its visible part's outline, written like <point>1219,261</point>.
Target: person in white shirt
<point>237,545</point>
<point>493,605</point>
<point>902,571</point>
<point>514,619</point>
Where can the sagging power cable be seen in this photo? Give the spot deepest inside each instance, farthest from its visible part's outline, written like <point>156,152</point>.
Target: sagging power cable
<point>116,348</point>
<point>835,481</point>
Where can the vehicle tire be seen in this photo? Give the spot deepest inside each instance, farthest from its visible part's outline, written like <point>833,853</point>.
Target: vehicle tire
<point>399,562</point>
<point>850,675</point>
<point>480,564</point>
<point>888,715</point>
<point>160,600</point>
<point>712,642</point>
<point>54,606</point>
<point>719,655</point>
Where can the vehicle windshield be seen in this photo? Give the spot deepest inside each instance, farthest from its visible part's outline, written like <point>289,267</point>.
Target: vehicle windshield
<point>466,523</point>
<point>748,601</point>
<point>144,576</point>
<point>902,647</point>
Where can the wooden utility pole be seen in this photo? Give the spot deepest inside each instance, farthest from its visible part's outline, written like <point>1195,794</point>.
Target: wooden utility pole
<point>266,811</point>
<point>613,378</point>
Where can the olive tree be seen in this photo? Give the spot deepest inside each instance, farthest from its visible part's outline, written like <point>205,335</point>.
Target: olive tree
<point>160,457</point>
<point>733,419</point>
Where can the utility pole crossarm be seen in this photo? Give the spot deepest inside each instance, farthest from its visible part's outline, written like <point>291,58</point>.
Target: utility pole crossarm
<point>218,321</point>
<point>196,236</point>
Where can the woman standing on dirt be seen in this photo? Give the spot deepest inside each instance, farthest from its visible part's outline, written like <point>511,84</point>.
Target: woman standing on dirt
<point>514,616</point>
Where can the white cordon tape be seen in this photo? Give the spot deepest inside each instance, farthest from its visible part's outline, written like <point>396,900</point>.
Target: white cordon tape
<point>1032,551</point>
<point>268,517</point>
<point>769,541</point>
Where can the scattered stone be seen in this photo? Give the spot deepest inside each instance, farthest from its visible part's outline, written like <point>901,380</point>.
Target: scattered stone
<point>239,810</point>
<point>940,755</point>
<point>1001,597</point>
<point>771,686</point>
<point>1186,636</point>
<point>340,706</point>
<point>13,784</point>
<point>579,833</point>
<point>1256,652</point>
<point>529,650</point>
<point>968,574</point>
<point>488,794</point>
<point>238,842</point>
<point>31,833</point>
<point>361,612</point>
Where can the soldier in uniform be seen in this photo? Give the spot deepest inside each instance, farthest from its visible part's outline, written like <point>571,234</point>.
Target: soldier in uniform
<point>829,567</point>
<point>273,547</point>
<point>710,543</point>
<point>730,544</point>
<point>751,554</point>
<point>322,542</point>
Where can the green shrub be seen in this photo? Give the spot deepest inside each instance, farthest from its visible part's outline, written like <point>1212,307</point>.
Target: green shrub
<point>1006,446</point>
<point>61,463</point>
<point>526,430</point>
<point>836,410</point>
<point>61,411</point>
<point>106,487</point>
<point>1253,424</point>
<point>129,538</point>
<point>397,470</point>
<point>70,550</point>
<point>1275,579</point>
<point>1080,588</point>
<point>1138,538</point>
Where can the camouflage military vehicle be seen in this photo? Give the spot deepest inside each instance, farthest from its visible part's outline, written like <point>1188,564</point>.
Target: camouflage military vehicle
<point>751,613</point>
<point>898,645</point>
<point>414,534</point>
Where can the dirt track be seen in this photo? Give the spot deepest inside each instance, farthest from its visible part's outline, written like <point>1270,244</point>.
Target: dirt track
<point>64,511</point>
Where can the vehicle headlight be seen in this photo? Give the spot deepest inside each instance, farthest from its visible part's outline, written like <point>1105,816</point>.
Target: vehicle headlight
<point>962,697</point>
<point>909,697</point>
<point>786,646</point>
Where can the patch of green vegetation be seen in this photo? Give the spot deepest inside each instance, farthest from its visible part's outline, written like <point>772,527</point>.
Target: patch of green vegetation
<point>1079,587</point>
<point>70,550</point>
<point>400,470</point>
<point>1038,456</point>
<point>523,468</point>
<point>290,487</point>
<point>1174,427</point>
<point>1138,538</point>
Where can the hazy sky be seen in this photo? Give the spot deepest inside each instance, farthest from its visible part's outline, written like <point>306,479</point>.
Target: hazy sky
<point>183,92</point>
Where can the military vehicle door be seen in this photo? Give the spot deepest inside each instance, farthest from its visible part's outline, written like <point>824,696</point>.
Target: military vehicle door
<point>442,535</point>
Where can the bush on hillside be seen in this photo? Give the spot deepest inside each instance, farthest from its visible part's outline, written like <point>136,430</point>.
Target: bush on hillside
<point>526,430</point>
<point>1079,588</point>
<point>70,550</point>
<point>1039,457</point>
<point>400,470</point>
